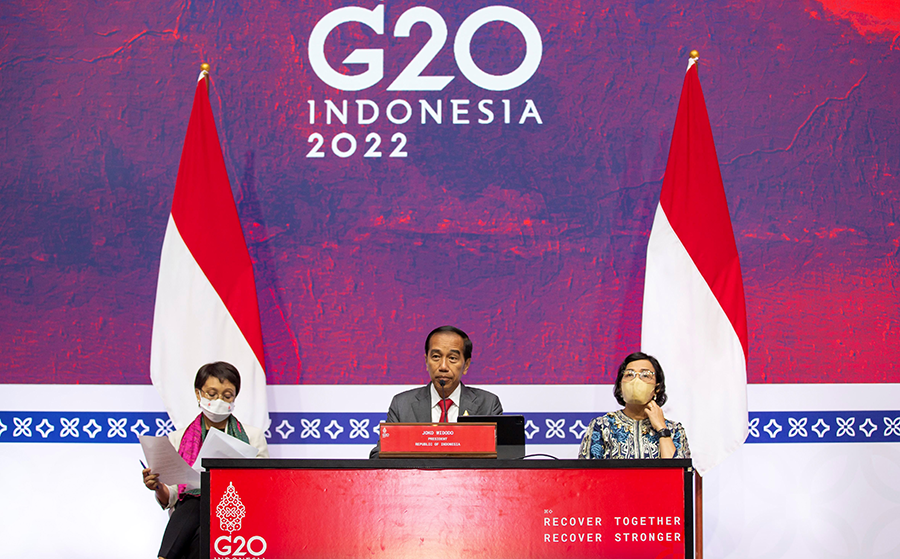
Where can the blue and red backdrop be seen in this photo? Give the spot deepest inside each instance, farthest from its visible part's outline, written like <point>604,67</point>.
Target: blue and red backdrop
<point>531,236</point>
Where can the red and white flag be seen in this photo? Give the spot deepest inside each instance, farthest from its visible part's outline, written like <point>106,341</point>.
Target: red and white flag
<point>206,307</point>
<point>694,318</point>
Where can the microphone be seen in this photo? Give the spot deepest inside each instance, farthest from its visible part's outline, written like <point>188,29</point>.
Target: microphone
<point>443,383</point>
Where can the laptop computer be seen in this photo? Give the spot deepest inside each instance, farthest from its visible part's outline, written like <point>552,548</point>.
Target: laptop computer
<point>510,433</point>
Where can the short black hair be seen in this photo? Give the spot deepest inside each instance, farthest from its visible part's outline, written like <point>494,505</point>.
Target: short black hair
<point>220,370</point>
<point>467,343</point>
<point>660,377</point>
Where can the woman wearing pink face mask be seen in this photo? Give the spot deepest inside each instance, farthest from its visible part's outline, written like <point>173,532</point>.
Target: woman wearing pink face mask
<point>640,430</point>
<point>215,386</point>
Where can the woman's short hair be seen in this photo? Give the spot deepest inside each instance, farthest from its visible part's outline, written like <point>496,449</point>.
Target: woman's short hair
<point>660,377</point>
<point>220,370</point>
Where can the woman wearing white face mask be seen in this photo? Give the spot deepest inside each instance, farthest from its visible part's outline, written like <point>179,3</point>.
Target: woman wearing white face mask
<point>640,430</point>
<point>215,386</point>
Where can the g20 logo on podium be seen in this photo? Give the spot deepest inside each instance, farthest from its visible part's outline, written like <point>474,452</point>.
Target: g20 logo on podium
<point>399,111</point>
<point>231,511</point>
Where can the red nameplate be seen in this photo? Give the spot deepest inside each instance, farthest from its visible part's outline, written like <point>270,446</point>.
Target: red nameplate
<point>412,440</point>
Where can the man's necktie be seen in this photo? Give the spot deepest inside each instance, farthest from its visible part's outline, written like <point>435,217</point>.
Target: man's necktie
<point>445,407</point>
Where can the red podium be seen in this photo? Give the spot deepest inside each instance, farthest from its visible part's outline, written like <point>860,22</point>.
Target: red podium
<point>447,508</point>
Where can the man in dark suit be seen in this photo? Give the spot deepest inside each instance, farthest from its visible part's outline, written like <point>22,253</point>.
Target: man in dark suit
<point>448,353</point>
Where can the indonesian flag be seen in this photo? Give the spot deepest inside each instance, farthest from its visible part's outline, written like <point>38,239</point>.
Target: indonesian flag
<point>694,318</point>
<point>206,308</point>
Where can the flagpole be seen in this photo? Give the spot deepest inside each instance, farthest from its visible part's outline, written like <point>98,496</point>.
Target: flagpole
<point>693,57</point>
<point>698,515</point>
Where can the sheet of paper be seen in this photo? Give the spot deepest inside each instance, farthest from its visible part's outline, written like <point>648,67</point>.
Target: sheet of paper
<point>220,445</point>
<point>163,459</point>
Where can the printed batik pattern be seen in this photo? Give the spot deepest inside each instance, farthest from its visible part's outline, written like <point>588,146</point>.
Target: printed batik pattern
<point>617,436</point>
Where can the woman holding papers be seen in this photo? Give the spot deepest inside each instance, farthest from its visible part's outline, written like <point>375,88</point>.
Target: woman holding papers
<point>639,430</point>
<point>215,386</point>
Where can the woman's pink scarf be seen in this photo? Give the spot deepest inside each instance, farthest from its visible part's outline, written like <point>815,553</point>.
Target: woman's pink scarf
<point>192,441</point>
<point>190,448</point>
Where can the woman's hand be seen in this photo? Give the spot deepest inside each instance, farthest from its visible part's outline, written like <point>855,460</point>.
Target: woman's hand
<point>658,422</point>
<point>655,414</point>
<point>151,480</point>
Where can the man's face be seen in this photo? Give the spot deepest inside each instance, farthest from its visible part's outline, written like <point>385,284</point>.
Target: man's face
<point>445,361</point>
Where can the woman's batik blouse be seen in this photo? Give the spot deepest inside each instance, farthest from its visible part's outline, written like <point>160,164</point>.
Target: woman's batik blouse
<point>615,435</point>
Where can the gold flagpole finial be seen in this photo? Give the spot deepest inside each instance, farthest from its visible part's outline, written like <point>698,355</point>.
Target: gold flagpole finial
<point>205,66</point>
<point>694,56</point>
